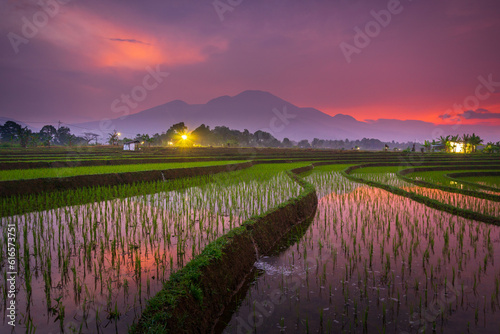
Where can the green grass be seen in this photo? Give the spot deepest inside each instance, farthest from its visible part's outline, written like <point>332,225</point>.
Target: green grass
<point>46,201</point>
<point>23,174</point>
<point>378,169</point>
<point>326,168</point>
<point>76,158</point>
<point>492,181</point>
<point>438,177</point>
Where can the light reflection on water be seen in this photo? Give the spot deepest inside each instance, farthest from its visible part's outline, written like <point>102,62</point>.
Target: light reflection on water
<point>106,259</point>
<point>374,261</point>
<point>480,205</point>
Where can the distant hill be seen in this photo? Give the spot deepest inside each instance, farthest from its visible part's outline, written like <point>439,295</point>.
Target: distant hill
<point>6,119</point>
<point>258,110</point>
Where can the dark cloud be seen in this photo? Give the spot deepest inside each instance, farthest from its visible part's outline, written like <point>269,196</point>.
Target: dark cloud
<point>94,51</point>
<point>128,40</point>
<point>480,114</point>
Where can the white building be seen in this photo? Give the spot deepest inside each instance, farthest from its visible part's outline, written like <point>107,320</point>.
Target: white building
<point>131,145</point>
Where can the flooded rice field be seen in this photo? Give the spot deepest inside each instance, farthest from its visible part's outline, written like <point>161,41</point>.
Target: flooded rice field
<point>480,205</point>
<point>91,268</point>
<point>376,262</point>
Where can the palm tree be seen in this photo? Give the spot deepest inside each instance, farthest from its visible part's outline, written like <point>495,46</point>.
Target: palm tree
<point>474,141</point>
<point>427,145</point>
<point>489,147</point>
<point>444,141</point>
<point>454,140</point>
<point>467,142</point>
<point>113,138</point>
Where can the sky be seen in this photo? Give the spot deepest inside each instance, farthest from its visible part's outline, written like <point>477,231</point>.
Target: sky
<point>74,60</point>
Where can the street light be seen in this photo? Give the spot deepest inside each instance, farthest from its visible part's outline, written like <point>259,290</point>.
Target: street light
<point>184,137</point>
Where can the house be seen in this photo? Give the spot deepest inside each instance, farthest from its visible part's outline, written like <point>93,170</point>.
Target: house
<point>454,147</point>
<point>461,147</point>
<point>438,147</point>
<point>131,145</point>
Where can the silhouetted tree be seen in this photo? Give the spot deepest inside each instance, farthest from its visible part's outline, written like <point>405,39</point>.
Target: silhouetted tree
<point>10,131</point>
<point>89,136</point>
<point>304,144</point>
<point>63,135</point>
<point>286,143</point>
<point>47,134</point>
<point>24,136</point>
<point>113,138</point>
<point>176,129</point>
<point>202,135</point>
<point>475,141</point>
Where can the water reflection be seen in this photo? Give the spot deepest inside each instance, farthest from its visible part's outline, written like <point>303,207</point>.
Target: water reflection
<point>480,205</point>
<point>91,268</point>
<point>372,262</point>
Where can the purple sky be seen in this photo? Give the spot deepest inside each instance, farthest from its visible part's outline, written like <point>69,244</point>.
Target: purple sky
<point>425,59</point>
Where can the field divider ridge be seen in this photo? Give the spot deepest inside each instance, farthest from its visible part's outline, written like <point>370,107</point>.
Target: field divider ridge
<point>402,175</point>
<point>457,178</point>
<point>34,186</point>
<point>194,297</point>
<point>468,214</point>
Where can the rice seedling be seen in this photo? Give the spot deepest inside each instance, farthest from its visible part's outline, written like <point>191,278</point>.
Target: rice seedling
<point>113,251</point>
<point>378,239</point>
<point>480,205</point>
<point>24,174</point>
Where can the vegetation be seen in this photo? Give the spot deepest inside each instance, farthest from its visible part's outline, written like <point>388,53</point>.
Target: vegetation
<point>113,255</point>
<point>492,181</point>
<point>66,172</point>
<point>380,249</point>
<point>372,261</point>
<point>11,132</point>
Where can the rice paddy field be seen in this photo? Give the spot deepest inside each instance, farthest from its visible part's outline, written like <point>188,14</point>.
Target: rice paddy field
<point>491,181</point>
<point>23,174</point>
<point>88,260</point>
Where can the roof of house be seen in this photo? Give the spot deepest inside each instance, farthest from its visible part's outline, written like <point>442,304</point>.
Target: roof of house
<point>131,142</point>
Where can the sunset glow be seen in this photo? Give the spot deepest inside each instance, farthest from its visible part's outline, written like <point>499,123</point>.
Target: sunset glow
<point>317,55</point>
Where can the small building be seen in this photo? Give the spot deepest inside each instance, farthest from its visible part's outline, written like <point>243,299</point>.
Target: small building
<point>438,147</point>
<point>456,147</point>
<point>461,147</point>
<point>131,145</point>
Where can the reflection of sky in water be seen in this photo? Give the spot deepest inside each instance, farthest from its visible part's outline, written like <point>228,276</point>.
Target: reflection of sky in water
<point>123,250</point>
<point>462,201</point>
<point>352,267</point>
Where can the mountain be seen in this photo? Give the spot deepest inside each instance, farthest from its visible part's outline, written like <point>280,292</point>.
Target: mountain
<point>6,119</point>
<point>258,110</point>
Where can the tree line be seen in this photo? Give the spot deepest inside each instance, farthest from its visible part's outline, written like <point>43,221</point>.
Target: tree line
<point>13,133</point>
<point>470,143</point>
<point>224,136</point>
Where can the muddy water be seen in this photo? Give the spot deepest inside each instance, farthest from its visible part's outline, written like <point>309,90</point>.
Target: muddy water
<point>91,268</point>
<point>372,262</point>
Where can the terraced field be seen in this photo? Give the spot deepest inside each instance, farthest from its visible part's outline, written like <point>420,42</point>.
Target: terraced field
<point>490,181</point>
<point>357,242</point>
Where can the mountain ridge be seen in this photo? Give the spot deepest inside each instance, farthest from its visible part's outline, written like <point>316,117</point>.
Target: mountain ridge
<point>260,110</point>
